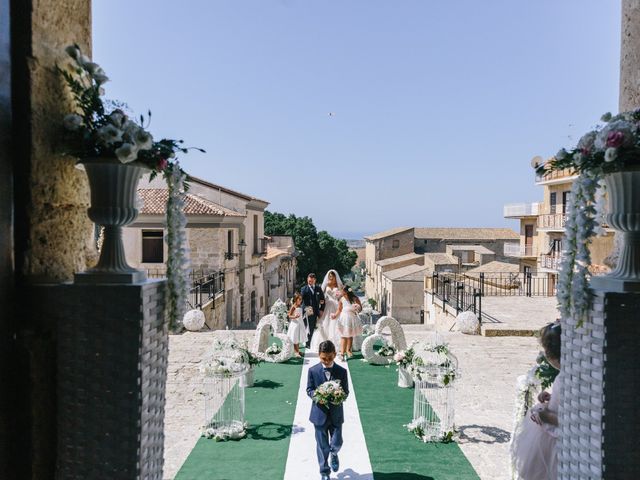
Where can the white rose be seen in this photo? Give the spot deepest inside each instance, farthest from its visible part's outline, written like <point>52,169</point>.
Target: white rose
<point>72,121</point>
<point>117,118</point>
<point>100,76</point>
<point>127,153</point>
<point>91,67</point>
<point>610,154</point>
<point>144,140</point>
<point>110,134</point>
<point>73,51</point>
<point>130,130</point>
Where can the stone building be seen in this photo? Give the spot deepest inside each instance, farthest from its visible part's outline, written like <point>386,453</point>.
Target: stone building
<point>234,245</point>
<point>211,232</point>
<point>403,292</point>
<point>439,249</point>
<point>542,224</point>
<point>280,268</point>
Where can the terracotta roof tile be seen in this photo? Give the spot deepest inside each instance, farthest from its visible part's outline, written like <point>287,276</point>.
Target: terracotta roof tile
<point>467,233</point>
<point>155,203</point>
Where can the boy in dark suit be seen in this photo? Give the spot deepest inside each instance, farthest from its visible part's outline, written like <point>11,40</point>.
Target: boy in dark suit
<point>327,419</point>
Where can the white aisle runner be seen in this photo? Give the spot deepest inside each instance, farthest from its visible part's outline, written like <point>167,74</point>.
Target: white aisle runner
<point>302,462</point>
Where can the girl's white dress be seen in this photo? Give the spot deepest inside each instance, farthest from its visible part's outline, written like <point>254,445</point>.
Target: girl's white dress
<point>349,324</point>
<point>533,448</point>
<point>297,331</point>
<point>331,307</point>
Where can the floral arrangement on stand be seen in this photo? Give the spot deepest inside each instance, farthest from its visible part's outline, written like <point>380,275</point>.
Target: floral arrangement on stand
<point>433,361</point>
<point>610,148</point>
<point>404,358</point>
<point>224,366</point>
<point>100,129</point>
<point>222,436</point>
<point>280,310</point>
<point>274,349</point>
<point>417,427</point>
<point>329,392</point>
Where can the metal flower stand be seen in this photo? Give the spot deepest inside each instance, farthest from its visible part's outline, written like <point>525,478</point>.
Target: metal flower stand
<point>434,396</point>
<point>224,406</point>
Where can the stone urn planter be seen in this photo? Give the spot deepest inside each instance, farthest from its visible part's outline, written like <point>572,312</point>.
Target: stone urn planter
<point>114,204</point>
<point>623,215</point>
<point>248,379</point>
<point>405,380</point>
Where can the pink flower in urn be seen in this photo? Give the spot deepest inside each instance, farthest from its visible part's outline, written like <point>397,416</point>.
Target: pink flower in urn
<point>615,139</point>
<point>162,164</point>
<point>399,357</point>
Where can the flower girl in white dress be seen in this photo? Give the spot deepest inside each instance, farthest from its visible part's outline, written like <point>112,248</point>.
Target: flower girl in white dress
<point>349,324</point>
<point>533,448</point>
<point>297,331</point>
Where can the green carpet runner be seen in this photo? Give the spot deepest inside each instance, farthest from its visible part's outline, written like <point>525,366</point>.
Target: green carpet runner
<point>394,452</point>
<point>269,410</point>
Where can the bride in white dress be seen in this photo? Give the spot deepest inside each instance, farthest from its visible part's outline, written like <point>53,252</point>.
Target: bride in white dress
<point>327,327</point>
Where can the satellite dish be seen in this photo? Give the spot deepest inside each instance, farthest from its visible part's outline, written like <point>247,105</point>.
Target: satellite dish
<point>537,160</point>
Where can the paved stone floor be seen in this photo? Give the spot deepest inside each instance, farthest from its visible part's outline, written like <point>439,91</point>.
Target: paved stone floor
<point>484,403</point>
<point>519,313</point>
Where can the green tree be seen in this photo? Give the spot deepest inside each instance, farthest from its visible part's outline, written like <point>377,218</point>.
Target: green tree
<point>317,251</point>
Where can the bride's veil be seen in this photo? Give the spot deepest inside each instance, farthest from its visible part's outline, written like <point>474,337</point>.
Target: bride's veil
<point>325,282</point>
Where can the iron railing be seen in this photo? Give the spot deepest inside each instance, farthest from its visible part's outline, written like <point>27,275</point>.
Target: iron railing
<point>502,284</point>
<point>555,221</point>
<point>455,294</point>
<point>555,175</point>
<point>518,250</point>
<point>552,262</point>
<point>205,289</point>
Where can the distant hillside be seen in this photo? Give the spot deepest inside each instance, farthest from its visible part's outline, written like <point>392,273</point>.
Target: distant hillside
<point>355,243</point>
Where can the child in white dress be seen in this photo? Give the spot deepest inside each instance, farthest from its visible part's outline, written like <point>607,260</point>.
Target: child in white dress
<point>349,324</point>
<point>533,448</point>
<point>297,331</point>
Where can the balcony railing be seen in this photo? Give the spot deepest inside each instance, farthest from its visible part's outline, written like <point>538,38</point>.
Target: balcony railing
<point>554,221</point>
<point>550,262</point>
<point>522,210</point>
<point>555,175</point>
<point>518,250</point>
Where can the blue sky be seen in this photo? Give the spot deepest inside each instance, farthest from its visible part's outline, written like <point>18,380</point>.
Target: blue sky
<point>438,107</point>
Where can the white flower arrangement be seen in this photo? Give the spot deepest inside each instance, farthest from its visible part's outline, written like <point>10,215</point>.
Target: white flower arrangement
<point>329,392</point>
<point>527,389</point>
<point>224,434</point>
<point>417,427</point>
<point>274,349</point>
<point>269,324</point>
<point>224,367</point>
<point>384,356</point>
<point>93,130</point>
<point>280,311</point>
<point>611,147</point>
<point>433,362</point>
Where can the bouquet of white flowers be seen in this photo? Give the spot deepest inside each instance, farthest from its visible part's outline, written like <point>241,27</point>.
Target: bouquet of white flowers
<point>274,349</point>
<point>329,393</point>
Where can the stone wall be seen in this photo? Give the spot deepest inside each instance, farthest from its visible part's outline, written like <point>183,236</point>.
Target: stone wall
<point>440,246</point>
<point>207,247</point>
<point>58,232</point>
<point>52,230</point>
<point>406,300</point>
<point>215,313</point>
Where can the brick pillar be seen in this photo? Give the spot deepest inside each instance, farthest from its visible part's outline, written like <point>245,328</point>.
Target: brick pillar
<point>111,376</point>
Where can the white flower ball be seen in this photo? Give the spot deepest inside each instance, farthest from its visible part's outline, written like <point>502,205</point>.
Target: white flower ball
<point>193,320</point>
<point>468,323</point>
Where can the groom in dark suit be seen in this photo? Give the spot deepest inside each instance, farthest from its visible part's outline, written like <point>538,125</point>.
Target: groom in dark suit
<point>327,419</point>
<point>312,304</point>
